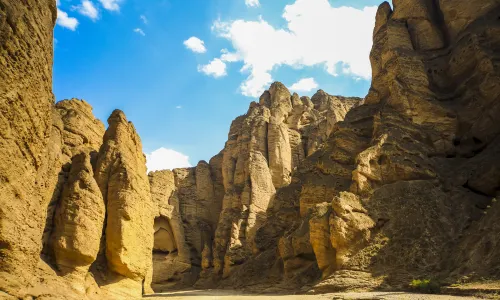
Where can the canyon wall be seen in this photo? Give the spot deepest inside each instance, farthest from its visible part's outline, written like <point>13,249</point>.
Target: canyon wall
<point>322,193</point>
<point>406,185</point>
<point>208,216</point>
<point>75,206</point>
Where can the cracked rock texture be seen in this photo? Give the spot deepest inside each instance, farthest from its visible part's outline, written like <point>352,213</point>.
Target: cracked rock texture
<point>326,193</point>
<point>26,101</point>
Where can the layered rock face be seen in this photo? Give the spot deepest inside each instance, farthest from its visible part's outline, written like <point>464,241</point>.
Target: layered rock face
<point>25,124</point>
<point>121,176</point>
<point>263,149</point>
<point>399,184</point>
<point>189,203</point>
<point>405,181</point>
<point>207,217</point>
<point>335,192</point>
<point>53,213</point>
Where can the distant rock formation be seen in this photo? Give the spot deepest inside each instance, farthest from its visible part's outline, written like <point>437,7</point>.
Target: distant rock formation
<point>189,205</point>
<point>323,193</point>
<point>263,149</point>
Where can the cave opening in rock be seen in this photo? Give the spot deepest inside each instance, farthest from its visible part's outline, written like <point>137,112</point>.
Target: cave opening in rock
<point>165,253</point>
<point>164,239</point>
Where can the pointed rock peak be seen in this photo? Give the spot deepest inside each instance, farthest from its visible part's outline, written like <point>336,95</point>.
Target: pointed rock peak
<point>320,92</point>
<point>383,14</point>
<point>319,96</point>
<point>117,116</point>
<point>202,163</point>
<point>280,97</point>
<point>253,104</point>
<point>277,86</point>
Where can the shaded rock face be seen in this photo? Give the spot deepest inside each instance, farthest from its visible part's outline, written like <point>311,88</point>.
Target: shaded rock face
<point>81,203</point>
<point>79,220</point>
<point>75,131</point>
<point>263,148</point>
<point>188,206</point>
<point>402,183</point>
<point>340,191</point>
<point>397,184</point>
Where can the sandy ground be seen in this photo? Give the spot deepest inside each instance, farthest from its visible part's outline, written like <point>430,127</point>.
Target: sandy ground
<point>235,295</point>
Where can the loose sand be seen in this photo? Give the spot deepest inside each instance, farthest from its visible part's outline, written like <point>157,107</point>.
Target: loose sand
<point>236,295</point>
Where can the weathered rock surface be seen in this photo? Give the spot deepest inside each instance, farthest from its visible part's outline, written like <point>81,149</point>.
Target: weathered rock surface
<point>263,148</point>
<point>121,176</point>
<point>402,182</point>
<point>188,210</point>
<point>82,131</point>
<point>26,100</point>
<point>75,130</point>
<point>399,183</point>
<point>79,217</point>
<point>79,220</point>
<point>326,192</point>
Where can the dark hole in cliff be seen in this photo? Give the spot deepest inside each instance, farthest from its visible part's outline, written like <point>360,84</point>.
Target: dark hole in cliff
<point>383,159</point>
<point>4,245</point>
<point>476,140</point>
<point>456,141</point>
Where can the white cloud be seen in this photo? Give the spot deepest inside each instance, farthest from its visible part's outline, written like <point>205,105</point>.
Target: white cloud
<point>166,159</point>
<point>195,44</point>
<point>65,21</point>
<point>140,31</point>
<point>216,68</point>
<point>228,56</point>
<point>304,85</point>
<point>113,5</point>
<point>87,8</point>
<point>144,19</point>
<point>342,38</point>
<point>252,3</point>
<point>178,107</point>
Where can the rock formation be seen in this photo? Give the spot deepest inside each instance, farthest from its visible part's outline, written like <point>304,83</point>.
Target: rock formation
<point>25,125</point>
<point>188,209</point>
<point>323,193</point>
<point>405,177</point>
<point>79,219</point>
<point>263,148</point>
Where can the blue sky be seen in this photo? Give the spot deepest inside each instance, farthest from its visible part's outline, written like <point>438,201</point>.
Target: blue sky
<point>182,70</point>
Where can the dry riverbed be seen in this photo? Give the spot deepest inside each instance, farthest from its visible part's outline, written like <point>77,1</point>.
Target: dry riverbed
<point>236,295</point>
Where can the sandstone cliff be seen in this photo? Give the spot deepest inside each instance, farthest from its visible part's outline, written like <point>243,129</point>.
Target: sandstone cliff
<point>408,178</point>
<point>263,149</point>
<point>328,192</point>
<point>188,210</point>
<point>25,124</point>
<point>53,213</point>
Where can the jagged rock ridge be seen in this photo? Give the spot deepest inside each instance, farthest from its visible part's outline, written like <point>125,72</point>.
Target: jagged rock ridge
<point>334,192</point>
